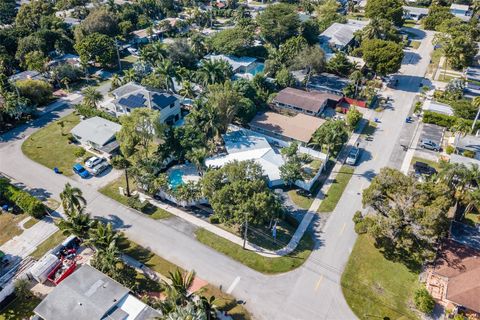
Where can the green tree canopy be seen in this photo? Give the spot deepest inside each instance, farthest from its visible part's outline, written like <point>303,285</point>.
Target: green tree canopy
<point>30,14</point>
<point>331,134</point>
<point>436,15</point>
<point>98,21</point>
<point>232,41</point>
<point>278,23</point>
<point>97,48</point>
<point>38,92</point>
<point>383,57</point>
<point>390,10</point>
<point>328,13</point>
<point>8,11</point>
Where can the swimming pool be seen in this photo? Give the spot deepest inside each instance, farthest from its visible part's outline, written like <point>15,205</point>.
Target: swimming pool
<point>258,68</point>
<point>175,178</point>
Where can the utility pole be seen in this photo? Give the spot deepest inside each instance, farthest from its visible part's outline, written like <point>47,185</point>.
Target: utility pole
<point>118,56</point>
<point>246,232</point>
<point>476,119</point>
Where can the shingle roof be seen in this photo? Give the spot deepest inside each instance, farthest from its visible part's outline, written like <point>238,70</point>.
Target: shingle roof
<point>300,127</point>
<point>87,294</point>
<point>461,265</point>
<point>310,101</point>
<point>97,130</point>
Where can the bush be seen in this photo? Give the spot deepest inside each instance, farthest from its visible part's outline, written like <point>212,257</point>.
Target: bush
<point>71,138</point>
<point>89,112</point>
<point>135,203</point>
<point>38,92</point>
<point>79,152</point>
<point>424,301</point>
<point>22,199</point>
<point>469,154</point>
<point>214,219</point>
<point>449,149</point>
<point>361,224</point>
<point>446,121</point>
<point>353,117</point>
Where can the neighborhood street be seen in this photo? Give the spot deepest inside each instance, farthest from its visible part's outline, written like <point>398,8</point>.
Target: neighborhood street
<point>312,291</point>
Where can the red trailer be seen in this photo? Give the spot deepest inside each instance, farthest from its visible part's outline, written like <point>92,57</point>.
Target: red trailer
<point>62,270</point>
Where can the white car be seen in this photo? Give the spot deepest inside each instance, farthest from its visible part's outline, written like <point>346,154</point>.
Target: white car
<point>93,161</point>
<point>429,144</point>
<point>353,156</point>
<point>133,51</point>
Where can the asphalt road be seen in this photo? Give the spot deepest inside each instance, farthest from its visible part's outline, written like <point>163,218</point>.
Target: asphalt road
<point>310,292</point>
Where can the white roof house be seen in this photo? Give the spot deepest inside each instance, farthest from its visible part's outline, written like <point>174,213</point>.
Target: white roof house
<point>437,107</point>
<point>237,63</point>
<point>242,146</point>
<point>340,35</point>
<point>461,11</point>
<point>414,13</point>
<point>96,132</point>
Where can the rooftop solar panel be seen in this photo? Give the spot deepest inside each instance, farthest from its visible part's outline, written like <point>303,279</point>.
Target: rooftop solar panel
<point>133,101</point>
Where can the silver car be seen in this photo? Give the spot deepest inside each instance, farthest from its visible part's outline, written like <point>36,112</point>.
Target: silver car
<point>429,144</point>
<point>99,168</point>
<point>353,156</point>
<point>93,161</point>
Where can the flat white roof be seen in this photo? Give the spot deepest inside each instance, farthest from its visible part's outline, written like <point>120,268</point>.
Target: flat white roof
<point>235,62</point>
<point>97,130</point>
<point>437,107</point>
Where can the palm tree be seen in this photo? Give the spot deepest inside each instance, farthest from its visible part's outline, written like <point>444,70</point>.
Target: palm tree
<point>153,53</point>
<point>214,71</point>
<point>373,30</point>
<point>449,51</point>
<point>72,199</point>
<point>78,224</point>
<point>197,43</point>
<point>357,78</point>
<point>129,75</point>
<point>91,97</point>
<point>187,90</point>
<point>180,285</point>
<point>461,128</point>
<point>102,235</point>
<point>197,156</point>
<point>166,69</point>
<point>116,81</point>
<point>106,260</point>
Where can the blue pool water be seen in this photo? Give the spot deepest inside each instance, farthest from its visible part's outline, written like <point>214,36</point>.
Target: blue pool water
<point>175,178</point>
<point>259,68</point>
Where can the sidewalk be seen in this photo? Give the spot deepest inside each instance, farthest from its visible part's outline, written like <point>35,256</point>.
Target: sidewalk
<point>307,219</point>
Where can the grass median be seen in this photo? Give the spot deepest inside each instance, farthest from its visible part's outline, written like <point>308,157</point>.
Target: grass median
<point>55,239</point>
<point>375,287</point>
<point>255,261</point>
<point>335,191</point>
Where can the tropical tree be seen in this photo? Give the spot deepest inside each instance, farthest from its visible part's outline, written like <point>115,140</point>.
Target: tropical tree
<point>102,235</point>
<point>129,75</point>
<point>107,259</point>
<point>187,90</point>
<point>78,224</point>
<point>476,104</point>
<point>166,69</point>
<point>91,97</point>
<point>116,81</point>
<point>357,78</point>
<point>180,285</point>
<point>213,71</point>
<point>278,23</point>
<point>291,171</point>
<point>330,135</point>
<point>154,53</point>
<point>72,199</point>
<point>197,157</point>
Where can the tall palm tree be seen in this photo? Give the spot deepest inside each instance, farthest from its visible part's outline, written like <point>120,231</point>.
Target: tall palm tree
<point>116,81</point>
<point>187,90</point>
<point>107,259</point>
<point>167,70</point>
<point>214,71</point>
<point>72,199</point>
<point>357,78</point>
<point>197,157</point>
<point>153,53</point>
<point>129,75</point>
<point>78,224</point>
<point>102,235</point>
<point>373,30</point>
<point>91,97</point>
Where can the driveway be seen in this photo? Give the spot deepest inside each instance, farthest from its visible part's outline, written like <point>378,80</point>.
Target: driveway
<point>310,292</point>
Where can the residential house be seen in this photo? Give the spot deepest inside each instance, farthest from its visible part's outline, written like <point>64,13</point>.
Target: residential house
<point>472,84</point>
<point>414,13</point>
<point>328,83</point>
<point>26,75</point>
<point>468,143</point>
<point>461,11</point>
<point>244,67</point>
<point>132,95</point>
<point>88,294</point>
<point>98,135</point>
<point>299,128</point>
<point>437,107</point>
<point>340,36</point>
<point>454,278</point>
<point>244,145</point>
<point>142,36</point>
<point>71,59</point>
<point>299,101</point>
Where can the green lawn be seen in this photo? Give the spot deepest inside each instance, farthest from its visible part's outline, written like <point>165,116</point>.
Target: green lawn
<point>111,191</point>
<point>30,223</point>
<point>431,163</point>
<point>446,77</point>
<point>415,44</point>
<point>50,147</point>
<point>333,195</point>
<point>410,23</point>
<point>19,309</point>
<point>51,242</point>
<point>376,288</point>
<point>223,300</point>
<point>9,226</point>
<point>254,260</point>
<point>299,199</point>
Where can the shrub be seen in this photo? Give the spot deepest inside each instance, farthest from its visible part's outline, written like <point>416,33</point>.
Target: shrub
<point>361,224</point>
<point>135,203</point>
<point>353,117</point>
<point>446,121</point>
<point>449,149</point>
<point>71,138</point>
<point>469,154</point>
<point>89,112</point>
<point>79,152</point>
<point>22,199</point>
<point>214,219</point>
<point>424,301</point>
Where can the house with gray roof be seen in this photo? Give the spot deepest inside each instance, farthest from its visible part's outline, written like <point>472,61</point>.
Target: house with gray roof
<point>414,13</point>
<point>468,143</point>
<point>98,135</point>
<point>132,95</point>
<point>340,36</point>
<point>461,11</point>
<point>88,294</point>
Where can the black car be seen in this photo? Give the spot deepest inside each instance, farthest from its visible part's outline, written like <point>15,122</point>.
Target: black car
<point>423,168</point>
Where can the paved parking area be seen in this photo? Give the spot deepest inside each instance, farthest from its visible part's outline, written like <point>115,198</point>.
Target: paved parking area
<point>101,180</point>
<point>431,132</point>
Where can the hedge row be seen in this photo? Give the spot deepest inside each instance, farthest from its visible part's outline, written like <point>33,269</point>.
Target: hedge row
<point>444,120</point>
<point>25,201</point>
<point>90,112</point>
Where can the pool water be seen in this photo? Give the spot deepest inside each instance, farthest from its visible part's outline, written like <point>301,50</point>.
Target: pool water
<point>175,178</point>
<point>258,68</point>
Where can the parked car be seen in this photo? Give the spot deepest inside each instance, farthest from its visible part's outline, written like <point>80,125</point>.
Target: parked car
<point>93,161</point>
<point>99,168</point>
<point>80,170</point>
<point>429,144</point>
<point>133,51</point>
<point>353,156</point>
<point>423,168</point>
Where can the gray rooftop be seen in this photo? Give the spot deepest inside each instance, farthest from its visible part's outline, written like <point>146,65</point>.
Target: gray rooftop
<point>416,10</point>
<point>87,294</point>
<point>340,34</point>
<point>132,95</point>
<point>24,75</point>
<point>469,142</point>
<point>97,130</point>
